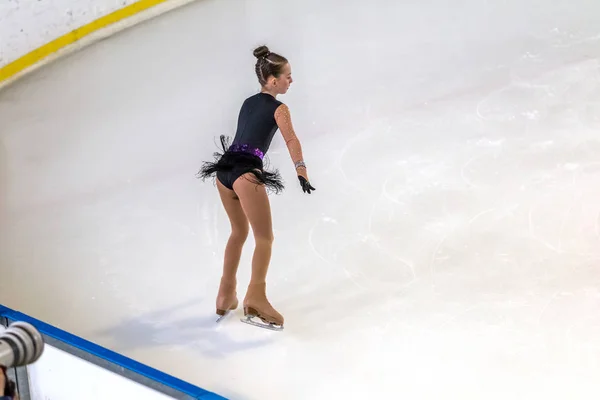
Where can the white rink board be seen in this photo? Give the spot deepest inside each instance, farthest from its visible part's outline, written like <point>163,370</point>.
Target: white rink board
<point>60,375</point>
<point>27,25</point>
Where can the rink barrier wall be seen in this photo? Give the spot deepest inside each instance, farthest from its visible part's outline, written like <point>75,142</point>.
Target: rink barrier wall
<point>85,35</point>
<point>106,359</point>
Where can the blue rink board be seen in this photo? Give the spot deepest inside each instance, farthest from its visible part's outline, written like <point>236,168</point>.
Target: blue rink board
<point>182,388</point>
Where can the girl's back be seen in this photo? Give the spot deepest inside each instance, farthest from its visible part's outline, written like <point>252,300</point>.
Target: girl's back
<point>256,121</point>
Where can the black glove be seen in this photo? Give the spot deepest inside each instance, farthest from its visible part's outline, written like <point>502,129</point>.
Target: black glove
<point>306,186</point>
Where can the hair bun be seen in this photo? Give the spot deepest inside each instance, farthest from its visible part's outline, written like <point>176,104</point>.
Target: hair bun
<point>261,51</point>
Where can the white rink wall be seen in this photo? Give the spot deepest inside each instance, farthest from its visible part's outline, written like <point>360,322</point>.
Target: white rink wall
<point>72,368</point>
<point>26,25</point>
<point>60,375</point>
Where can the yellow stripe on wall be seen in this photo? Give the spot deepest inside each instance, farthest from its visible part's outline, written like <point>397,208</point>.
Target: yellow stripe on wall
<point>40,53</point>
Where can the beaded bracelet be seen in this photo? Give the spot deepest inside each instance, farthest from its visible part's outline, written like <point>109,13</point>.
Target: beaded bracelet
<point>300,164</point>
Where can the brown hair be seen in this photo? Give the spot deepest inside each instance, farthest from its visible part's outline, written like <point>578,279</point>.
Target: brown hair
<point>268,64</point>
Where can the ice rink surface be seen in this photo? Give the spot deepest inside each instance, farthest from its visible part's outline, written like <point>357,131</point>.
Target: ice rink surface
<point>450,251</point>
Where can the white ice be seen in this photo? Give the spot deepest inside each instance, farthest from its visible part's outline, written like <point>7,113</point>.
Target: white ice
<point>450,251</point>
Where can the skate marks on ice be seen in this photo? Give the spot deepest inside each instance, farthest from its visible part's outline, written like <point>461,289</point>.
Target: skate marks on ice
<point>561,38</point>
<point>552,154</point>
<point>493,219</point>
<point>178,326</point>
<point>559,99</point>
<point>554,86</point>
<point>371,237</point>
<point>545,170</point>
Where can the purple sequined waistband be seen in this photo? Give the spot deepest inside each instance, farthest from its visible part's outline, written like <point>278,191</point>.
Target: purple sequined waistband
<point>244,148</point>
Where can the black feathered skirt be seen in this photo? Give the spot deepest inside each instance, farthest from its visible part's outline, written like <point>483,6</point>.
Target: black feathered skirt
<point>236,160</point>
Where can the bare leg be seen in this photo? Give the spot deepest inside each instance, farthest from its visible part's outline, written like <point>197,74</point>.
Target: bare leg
<point>227,297</point>
<point>255,203</point>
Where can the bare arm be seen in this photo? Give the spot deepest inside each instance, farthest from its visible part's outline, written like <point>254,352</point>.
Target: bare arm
<point>284,122</point>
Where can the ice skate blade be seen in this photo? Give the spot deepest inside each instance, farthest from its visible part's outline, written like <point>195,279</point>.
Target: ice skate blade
<point>273,327</point>
<point>223,316</point>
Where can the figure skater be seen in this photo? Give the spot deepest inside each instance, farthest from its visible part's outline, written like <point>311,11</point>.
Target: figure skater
<point>243,182</point>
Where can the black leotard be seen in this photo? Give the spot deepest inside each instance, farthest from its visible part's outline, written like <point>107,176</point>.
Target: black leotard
<point>255,130</point>
<point>256,122</point>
